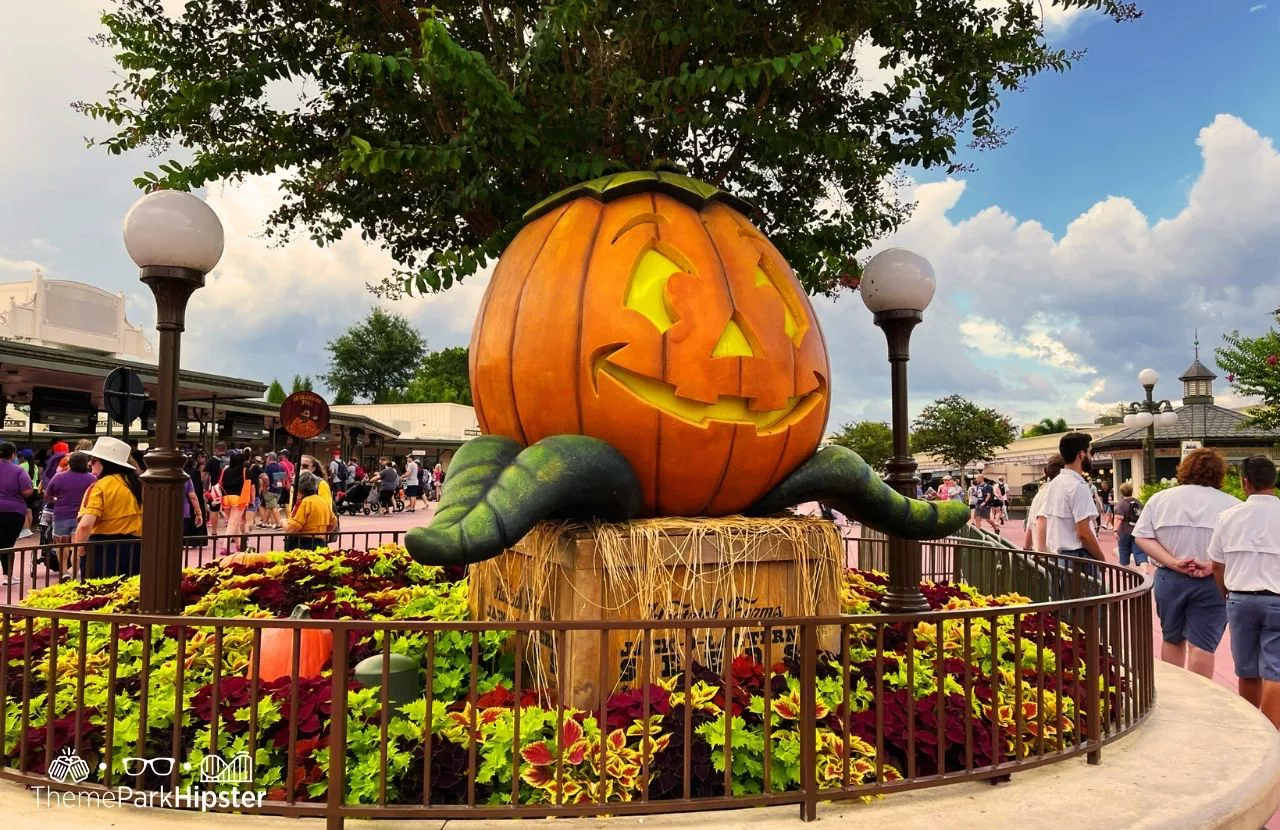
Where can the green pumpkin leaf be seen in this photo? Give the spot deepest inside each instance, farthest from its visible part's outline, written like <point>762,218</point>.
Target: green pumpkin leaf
<point>497,491</point>
<point>838,477</point>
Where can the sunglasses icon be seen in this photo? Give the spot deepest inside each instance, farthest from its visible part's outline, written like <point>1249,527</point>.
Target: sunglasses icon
<point>159,766</point>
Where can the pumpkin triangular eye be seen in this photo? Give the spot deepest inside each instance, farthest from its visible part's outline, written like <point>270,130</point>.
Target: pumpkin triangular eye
<point>647,291</point>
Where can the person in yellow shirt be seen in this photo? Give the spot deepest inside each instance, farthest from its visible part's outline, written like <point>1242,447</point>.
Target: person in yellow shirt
<point>310,465</point>
<point>313,519</point>
<point>111,514</point>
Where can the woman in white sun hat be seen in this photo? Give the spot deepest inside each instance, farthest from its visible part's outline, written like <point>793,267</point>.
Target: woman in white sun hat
<point>111,513</point>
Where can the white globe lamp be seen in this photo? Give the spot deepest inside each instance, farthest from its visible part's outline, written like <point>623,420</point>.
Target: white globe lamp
<point>897,280</point>
<point>175,229</point>
<point>1148,377</point>
<point>1167,419</point>
<point>1129,420</point>
<point>1143,420</point>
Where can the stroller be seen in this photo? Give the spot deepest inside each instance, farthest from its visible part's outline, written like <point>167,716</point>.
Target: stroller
<point>353,500</point>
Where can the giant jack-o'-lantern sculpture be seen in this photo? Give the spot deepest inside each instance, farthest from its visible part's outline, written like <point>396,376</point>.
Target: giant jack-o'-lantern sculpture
<point>643,349</point>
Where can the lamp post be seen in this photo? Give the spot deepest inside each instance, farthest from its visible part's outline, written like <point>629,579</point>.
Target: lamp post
<point>175,239</point>
<point>897,286</point>
<point>1150,414</point>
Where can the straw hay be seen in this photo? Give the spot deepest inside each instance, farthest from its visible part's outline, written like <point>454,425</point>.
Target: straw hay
<point>664,568</point>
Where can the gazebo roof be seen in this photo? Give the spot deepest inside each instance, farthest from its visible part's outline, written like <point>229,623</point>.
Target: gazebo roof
<point>1197,371</point>
<point>1199,422</point>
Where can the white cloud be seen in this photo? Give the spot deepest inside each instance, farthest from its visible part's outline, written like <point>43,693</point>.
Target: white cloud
<point>1036,342</point>
<point>1115,293</point>
<point>1257,8</point>
<point>13,270</point>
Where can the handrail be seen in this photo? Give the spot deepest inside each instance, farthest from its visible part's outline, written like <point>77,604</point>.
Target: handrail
<point>1085,659</point>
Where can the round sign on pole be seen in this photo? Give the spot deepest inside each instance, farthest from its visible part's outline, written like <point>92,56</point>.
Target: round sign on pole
<point>304,415</point>
<point>123,395</point>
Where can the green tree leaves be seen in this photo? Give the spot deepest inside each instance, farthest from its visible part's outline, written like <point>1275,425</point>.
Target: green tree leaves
<point>959,432</point>
<point>431,129</point>
<point>375,358</point>
<point>275,392</point>
<point>442,377</point>
<point>1046,426</point>
<point>873,440</point>
<point>1252,365</point>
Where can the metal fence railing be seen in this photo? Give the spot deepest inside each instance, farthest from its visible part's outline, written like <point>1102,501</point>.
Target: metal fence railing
<point>858,705</point>
<point>32,565</point>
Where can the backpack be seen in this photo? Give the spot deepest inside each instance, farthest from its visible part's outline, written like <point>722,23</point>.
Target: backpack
<point>337,471</point>
<point>1134,510</point>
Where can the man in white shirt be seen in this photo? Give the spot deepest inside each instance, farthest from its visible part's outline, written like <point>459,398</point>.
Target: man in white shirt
<point>1032,540</point>
<point>1068,511</point>
<point>1174,530</point>
<point>1245,549</point>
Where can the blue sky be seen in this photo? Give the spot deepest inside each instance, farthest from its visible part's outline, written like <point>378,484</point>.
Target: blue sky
<point>1138,198</point>
<point>1123,121</point>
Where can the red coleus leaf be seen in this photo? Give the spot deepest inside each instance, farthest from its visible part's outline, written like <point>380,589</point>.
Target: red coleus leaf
<point>540,777</point>
<point>538,753</point>
<point>570,733</point>
<point>577,752</point>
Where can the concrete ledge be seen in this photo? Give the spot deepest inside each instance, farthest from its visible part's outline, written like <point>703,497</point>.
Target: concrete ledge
<point>1204,760</point>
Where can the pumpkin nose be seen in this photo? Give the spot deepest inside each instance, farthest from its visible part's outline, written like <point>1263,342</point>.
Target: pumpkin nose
<point>733,341</point>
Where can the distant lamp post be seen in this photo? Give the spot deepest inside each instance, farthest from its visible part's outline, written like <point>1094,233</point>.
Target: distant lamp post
<point>1150,414</point>
<point>897,286</point>
<point>175,239</point>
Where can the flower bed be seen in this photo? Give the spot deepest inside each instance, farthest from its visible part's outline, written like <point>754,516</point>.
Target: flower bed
<point>1035,713</point>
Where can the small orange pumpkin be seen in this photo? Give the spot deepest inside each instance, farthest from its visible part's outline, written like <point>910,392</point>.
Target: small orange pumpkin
<point>249,558</point>
<point>315,647</point>
<point>646,310</point>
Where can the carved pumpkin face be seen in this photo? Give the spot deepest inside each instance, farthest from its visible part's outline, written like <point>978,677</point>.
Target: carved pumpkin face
<point>647,311</point>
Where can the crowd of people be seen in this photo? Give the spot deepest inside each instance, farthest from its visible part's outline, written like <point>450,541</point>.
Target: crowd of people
<point>93,493</point>
<point>1216,559</point>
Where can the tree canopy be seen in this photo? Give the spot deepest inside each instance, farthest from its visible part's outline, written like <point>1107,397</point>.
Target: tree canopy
<point>1047,426</point>
<point>301,384</point>
<point>1252,365</point>
<point>375,358</point>
<point>959,432</point>
<point>873,440</point>
<point>441,377</point>
<point>432,128</point>
<point>275,392</point>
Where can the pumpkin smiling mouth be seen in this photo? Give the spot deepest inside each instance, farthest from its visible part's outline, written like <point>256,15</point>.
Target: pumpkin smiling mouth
<point>727,408</point>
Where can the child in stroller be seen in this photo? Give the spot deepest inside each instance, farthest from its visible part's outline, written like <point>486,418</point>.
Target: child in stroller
<point>352,501</point>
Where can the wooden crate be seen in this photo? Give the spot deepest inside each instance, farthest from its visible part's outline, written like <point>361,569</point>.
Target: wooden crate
<point>558,575</point>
